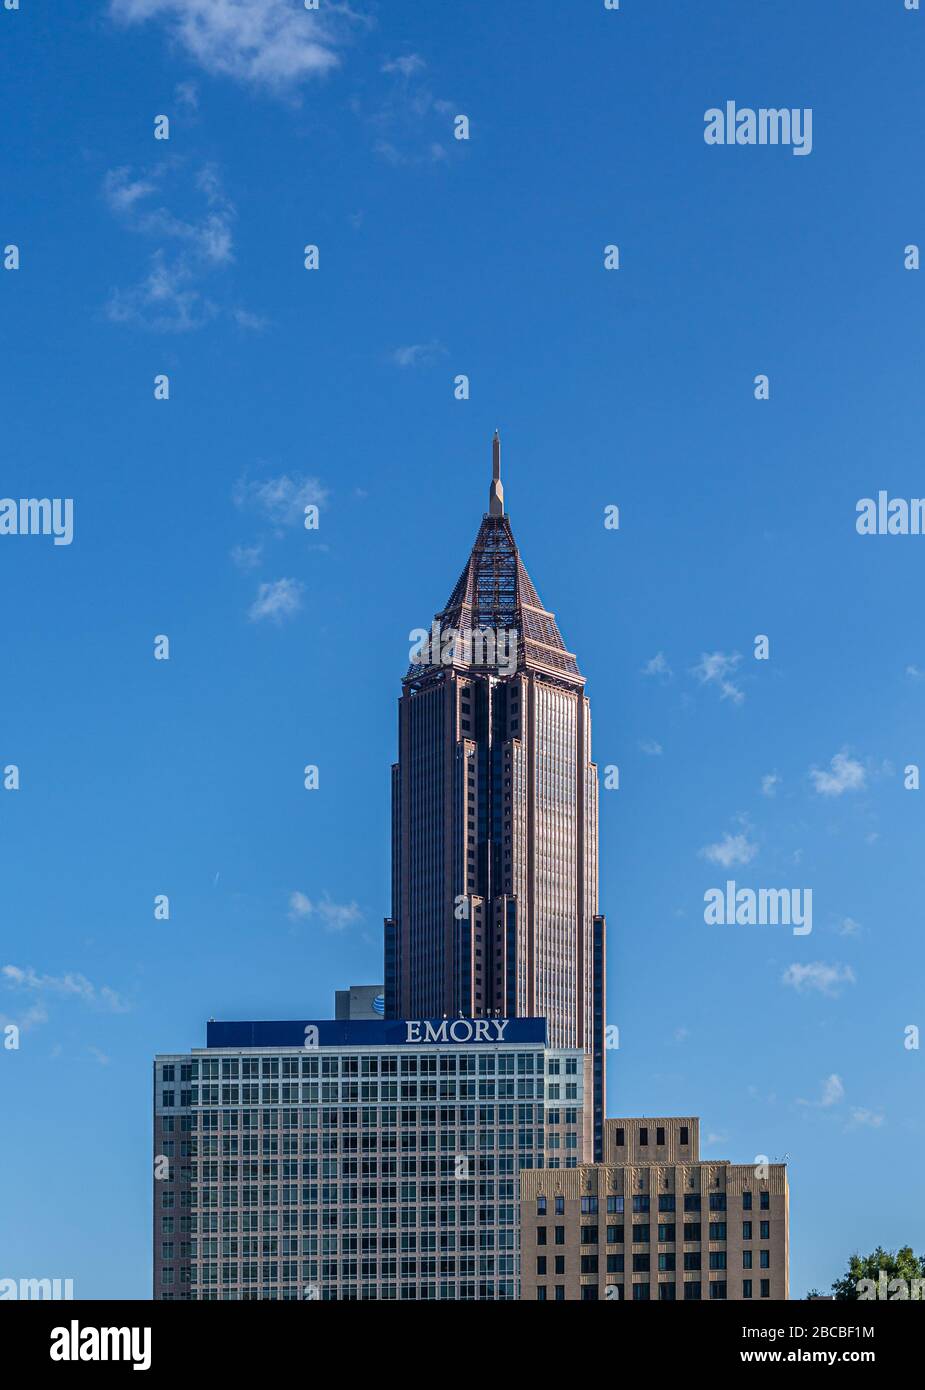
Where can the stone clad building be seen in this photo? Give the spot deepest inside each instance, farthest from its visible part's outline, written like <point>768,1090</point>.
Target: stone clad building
<point>655,1221</point>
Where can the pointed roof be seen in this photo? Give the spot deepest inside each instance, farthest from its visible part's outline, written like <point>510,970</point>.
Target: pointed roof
<point>495,592</point>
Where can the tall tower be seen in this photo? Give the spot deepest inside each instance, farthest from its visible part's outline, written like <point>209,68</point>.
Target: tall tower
<point>495,815</point>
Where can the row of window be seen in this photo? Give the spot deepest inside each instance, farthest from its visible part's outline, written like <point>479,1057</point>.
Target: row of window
<point>666,1262</point>
<point>683,1136</point>
<point>642,1293</point>
<point>590,1206</point>
<point>666,1232</point>
<point>465,1291</point>
<point>371,1118</point>
<point>309,1064</point>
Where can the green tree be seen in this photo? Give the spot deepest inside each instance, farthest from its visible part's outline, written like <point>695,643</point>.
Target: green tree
<point>899,1264</point>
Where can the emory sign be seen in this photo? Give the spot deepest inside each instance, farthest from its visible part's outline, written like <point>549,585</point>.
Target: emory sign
<point>459,1030</point>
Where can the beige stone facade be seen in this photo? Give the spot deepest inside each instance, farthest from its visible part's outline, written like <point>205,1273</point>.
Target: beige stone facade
<point>655,1221</point>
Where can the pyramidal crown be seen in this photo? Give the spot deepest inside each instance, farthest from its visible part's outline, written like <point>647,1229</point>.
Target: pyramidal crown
<point>495,594</point>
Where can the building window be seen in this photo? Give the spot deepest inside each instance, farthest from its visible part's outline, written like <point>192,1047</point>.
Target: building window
<point>589,1293</point>
<point>684,1136</point>
<point>560,1235</point>
<point>666,1231</point>
<point>666,1201</point>
<point>640,1203</point>
<point>692,1201</point>
<point>765,1233</point>
<point>614,1235</point>
<point>746,1259</point>
<point>541,1294</point>
<point>659,1134</point>
<point>560,1206</point>
<point>717,1201</point>
<point>588,1235</point>
<point>765,1288</point>
<point>621,1138</point>
<point>615,1205</point>
<point>746,1201</point>
<point>765,1201</point>
<point>541,1235</point>
<point>692,1230</point>
<point>640,1293</point>
<point>746,1230</point>
<point>640,1264</point>
<point>692,1293</point>
<point>666,1293</point>
<point>589,1206</point>
<point>541,1206</point>
<point>718,1290</point>
<point>541,1264</point>
<point>640,1235</point>
<point>692,1259</point>
<point>643,1137</point>
<point>717,1230</point>
<point>746,1288</point>
<point>717,1259</point>
<point>765,1259</point>
<point>589,1264</point>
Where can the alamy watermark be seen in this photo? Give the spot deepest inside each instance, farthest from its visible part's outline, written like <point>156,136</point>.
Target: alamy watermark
<point>480,646</point>
<point>890,516</point>
<point>732,125</point>
<point>38,516</point>
<point>36,1289</point>
<point>764,907</point>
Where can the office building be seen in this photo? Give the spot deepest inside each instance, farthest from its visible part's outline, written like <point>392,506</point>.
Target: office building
<point>655,1221</point>
<point>495,814</point>
<point>356,1159</point>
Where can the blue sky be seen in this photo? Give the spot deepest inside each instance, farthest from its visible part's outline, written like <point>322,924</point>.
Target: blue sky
<point>635,388</point>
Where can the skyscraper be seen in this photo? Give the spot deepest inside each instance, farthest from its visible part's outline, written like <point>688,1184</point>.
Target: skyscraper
<point>495,815</point>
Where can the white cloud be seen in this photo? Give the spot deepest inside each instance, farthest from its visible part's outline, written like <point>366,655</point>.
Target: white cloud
<point>730,850</point>
<point>914,673</point>
<point>169,297</point>
<point>658,666</point>
<point>247,557</point>
<point>276,601</point>
<point>209,237</point>
<point>417,354</point>
<point>715,668</point>
<point>334,916</point>
<point>818,975</point>
<point>282,501</point>
<point>868,1119</point>
<point>408,64</point>
<point>769,784</point>
<point>122,191</point>
<point>166,300</point>
<point>187,94</point>
<point>269,43</point>
<point>848,927</point>
<point>846,775</point>
<point>72,986</point>
<point>245,319</point>
<point>650,746</point>
<point>833,1092</point>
